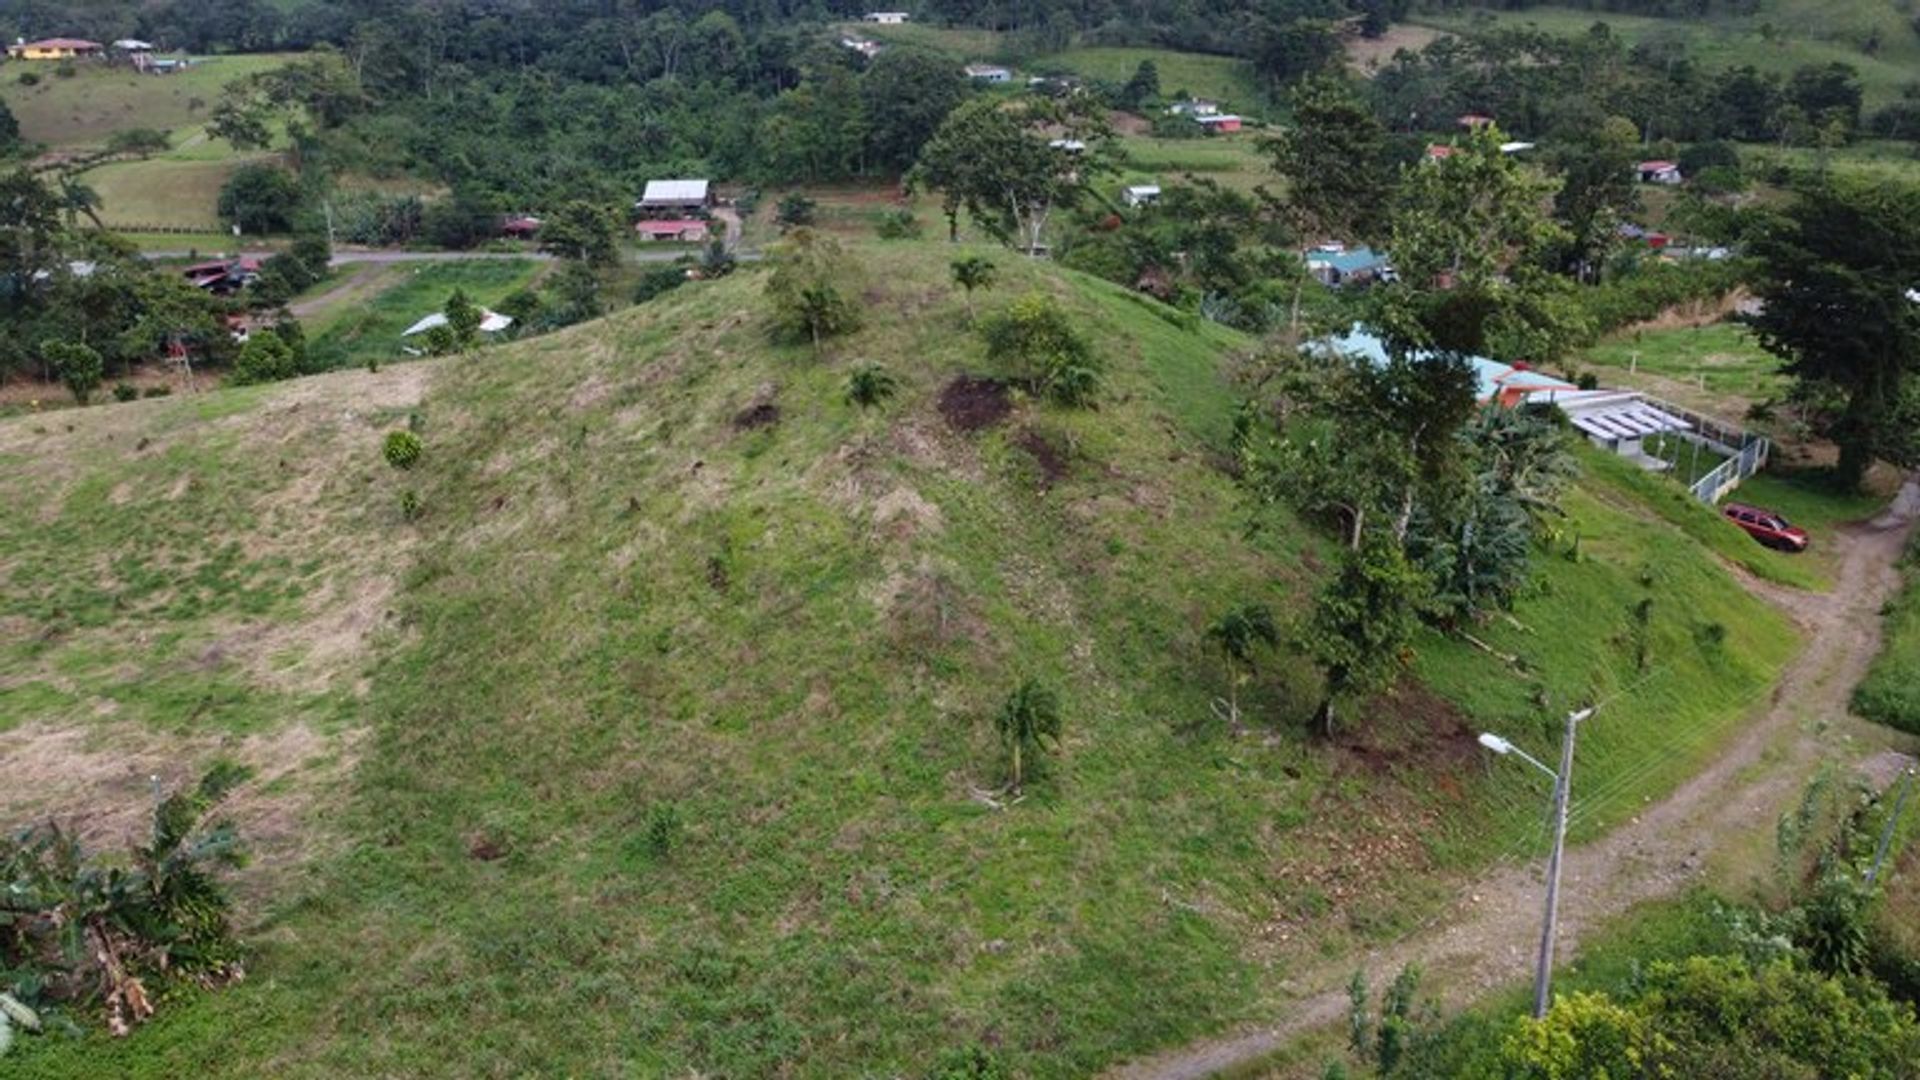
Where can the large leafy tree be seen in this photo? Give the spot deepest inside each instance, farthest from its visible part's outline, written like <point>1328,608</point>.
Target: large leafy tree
<point>1012,166</point>
<point>1334,161</point>
<point>908,94</point>
<point>1598,186</point>
<point>1843,264</point>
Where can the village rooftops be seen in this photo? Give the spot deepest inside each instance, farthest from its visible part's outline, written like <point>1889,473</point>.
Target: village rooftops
<point>674,193</point>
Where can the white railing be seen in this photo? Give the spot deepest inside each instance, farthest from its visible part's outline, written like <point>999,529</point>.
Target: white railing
<point>1751,459</point>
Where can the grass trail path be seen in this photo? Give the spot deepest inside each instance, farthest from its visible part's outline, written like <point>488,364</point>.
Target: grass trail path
<point>1488,938</point>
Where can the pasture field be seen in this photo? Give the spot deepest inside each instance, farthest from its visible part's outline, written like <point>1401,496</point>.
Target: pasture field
<point>401,295</point>
<point>99,100</point>
<point>672,744</point>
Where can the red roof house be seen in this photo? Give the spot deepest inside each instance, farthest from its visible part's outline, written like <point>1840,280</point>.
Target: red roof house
<point>684,229</point>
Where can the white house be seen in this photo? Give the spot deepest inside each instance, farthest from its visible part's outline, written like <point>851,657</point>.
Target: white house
<point>1659,172</point>
<point>1071,146</point>
<point>1141,194</point>
<point>886,18</point>
<point>988,73</point>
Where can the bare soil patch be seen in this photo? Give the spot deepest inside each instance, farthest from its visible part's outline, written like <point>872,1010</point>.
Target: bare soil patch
<point>753,417</point>
<point>975,404</point>
<point>1051,458</point>
<point>1368,55</point>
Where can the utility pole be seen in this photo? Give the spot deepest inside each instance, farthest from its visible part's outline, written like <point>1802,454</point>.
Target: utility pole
<point>1562,795</point>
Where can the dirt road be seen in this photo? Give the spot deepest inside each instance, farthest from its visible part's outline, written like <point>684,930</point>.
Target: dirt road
<point>1487,940</point>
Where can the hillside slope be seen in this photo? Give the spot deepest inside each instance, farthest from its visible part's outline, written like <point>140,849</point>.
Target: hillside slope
<point>678,750</point>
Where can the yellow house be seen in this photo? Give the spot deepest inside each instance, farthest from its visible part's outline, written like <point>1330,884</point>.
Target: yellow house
<point>54,49</point>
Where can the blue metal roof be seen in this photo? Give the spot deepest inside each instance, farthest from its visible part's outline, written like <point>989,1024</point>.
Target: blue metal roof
<point>1352,261</point>
<point>1490,376</point>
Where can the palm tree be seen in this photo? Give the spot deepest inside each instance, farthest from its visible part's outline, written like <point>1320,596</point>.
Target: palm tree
<point>870,384</point>
<point>78,198</point>
<point>1241,630</point>
<point>1030,718</point>
<point>970,273</point>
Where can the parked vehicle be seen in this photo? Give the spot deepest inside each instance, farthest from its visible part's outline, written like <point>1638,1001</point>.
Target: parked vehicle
<point>1767,527</point>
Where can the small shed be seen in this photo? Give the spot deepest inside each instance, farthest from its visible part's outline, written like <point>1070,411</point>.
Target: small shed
<point>1659,172</point>
<point>675,198</point>
<point>987,73</point>
<point>521,227</point>
<point>1141,195</point>
<point>1219,123</point>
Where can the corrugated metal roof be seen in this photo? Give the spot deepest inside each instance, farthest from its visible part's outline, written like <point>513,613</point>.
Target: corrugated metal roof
<point>674,191</point>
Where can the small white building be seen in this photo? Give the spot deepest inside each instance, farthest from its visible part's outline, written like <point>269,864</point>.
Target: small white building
<point>886,18</point>
<point>1659,172</point>
<point>1071,146</point>
<point>1141,195</point>
<point>866,47</point>
<point>1194,107</point>
<point>987,73</point>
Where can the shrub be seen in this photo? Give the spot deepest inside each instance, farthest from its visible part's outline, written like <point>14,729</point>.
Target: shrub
<point>125,392</point>
<point>29,78</point>
<point>658,282</point>
<point>142,141</point>
<point>794,211</point>
<point>78,366</point>
<point>663,829</point>
<point>156,391</point>
<point>410,505</point>
<point>869,384</point>
<point>1037,339</point>
<point>898,225</point>
<point>402,449</point>
<point>264,358</point>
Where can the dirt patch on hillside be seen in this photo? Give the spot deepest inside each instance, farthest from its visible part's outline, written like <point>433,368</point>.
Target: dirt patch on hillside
<point>102,783</point>
<point>1051,458</point>
<point>1368,55</point>
<point>974,404</point>
<point>752,418</point>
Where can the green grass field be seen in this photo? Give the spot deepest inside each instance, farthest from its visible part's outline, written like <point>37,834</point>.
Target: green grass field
<point>1222,78</point>
<point>163,192</point>
<point>371,329</point>
<point>1804,32</point>
<point>1890,694</point>
<point>100,100</point>
<point>1719,368</point>
<point>1233,161</point>
<point>709,657</point>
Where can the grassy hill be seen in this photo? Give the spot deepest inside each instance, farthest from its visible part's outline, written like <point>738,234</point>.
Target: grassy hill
<point>1779,36</point>
<point>97,100</point>
<point>662,740</point>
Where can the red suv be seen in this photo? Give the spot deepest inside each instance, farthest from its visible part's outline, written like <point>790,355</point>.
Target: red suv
<point>1767,527</point>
